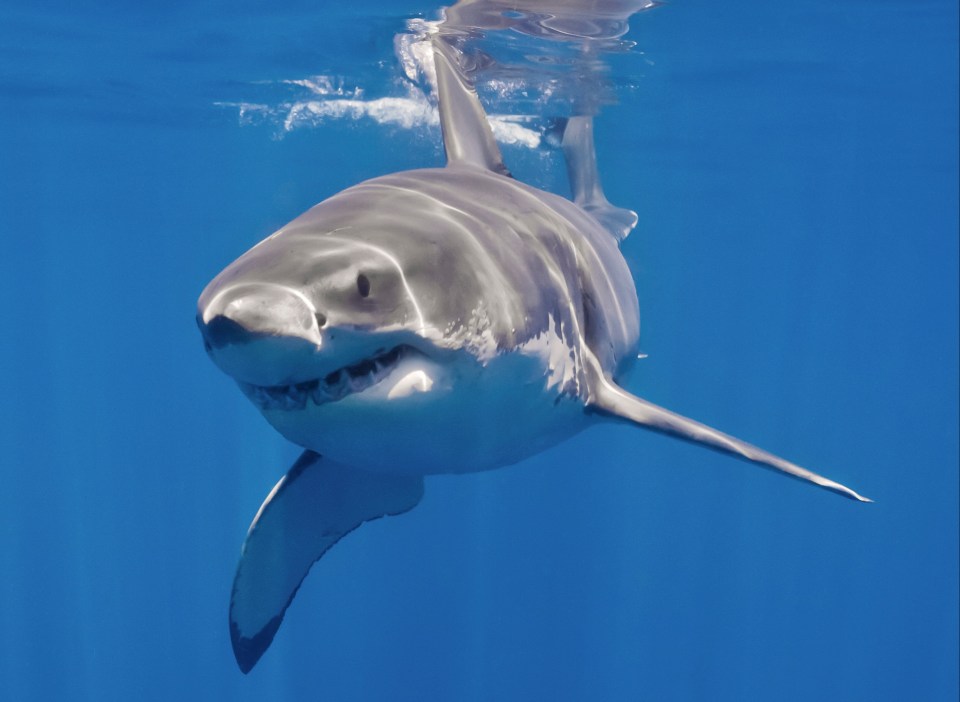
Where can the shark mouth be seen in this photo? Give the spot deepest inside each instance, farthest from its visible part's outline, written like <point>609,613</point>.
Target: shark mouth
<point>334,386</point>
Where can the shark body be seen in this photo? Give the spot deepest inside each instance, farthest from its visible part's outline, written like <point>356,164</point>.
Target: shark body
<point>431,321</point>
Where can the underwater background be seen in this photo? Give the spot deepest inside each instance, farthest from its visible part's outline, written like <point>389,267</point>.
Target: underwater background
<point>795,170</point>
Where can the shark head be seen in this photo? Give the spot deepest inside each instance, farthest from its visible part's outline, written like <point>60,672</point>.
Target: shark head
<point>297,309</point>
<point>323,332</point>
<point>380,332</point>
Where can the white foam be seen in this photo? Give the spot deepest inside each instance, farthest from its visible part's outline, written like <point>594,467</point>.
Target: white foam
<point>331,99</point>
<point>408,112</point>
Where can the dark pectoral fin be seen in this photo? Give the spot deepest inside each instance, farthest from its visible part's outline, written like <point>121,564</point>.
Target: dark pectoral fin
<point>617,402</point>
<point>316,503</point>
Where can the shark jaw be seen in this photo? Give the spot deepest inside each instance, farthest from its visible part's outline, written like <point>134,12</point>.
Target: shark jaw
<point>410,412</point>
<point>340,383</point>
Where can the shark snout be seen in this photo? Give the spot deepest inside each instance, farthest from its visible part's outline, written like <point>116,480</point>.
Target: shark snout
<point>259,333</point>
<point>222,331</point>
<point>237,314</point>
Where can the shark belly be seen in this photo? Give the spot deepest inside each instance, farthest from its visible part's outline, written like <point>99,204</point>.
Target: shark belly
<point>465,416</point>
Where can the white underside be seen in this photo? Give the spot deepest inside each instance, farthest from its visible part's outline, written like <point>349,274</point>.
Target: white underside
<point>458,417</point>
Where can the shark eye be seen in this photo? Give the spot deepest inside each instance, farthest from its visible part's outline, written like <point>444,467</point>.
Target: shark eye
<point>321,319</point>
<point>363,285</point>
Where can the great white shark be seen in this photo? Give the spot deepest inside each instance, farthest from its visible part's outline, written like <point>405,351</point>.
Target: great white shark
<point>443,320</point>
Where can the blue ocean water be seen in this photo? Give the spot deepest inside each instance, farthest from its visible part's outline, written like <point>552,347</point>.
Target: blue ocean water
<point>795,169</point>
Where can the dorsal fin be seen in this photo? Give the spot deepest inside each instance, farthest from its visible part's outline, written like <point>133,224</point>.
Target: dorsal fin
<point>467,137</point>
<point>581,156</point>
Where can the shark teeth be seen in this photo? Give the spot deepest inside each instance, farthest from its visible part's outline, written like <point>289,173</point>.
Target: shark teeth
<point>332,387</point>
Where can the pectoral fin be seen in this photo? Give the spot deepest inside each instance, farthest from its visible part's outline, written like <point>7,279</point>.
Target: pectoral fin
<point>316,503</point>
<point>581,157</point>
<point>617,402</point>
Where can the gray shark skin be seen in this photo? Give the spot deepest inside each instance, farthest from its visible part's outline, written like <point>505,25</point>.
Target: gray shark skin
<point>441,320</point>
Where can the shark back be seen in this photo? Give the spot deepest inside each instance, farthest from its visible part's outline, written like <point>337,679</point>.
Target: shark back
<point>491,262</point>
